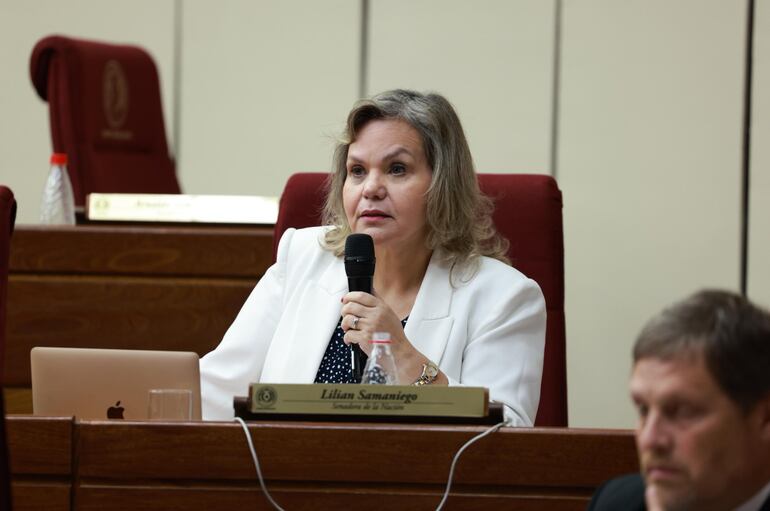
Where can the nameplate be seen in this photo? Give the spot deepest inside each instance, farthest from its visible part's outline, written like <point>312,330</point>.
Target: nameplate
<point>377,400</point>
<point>216,209</point>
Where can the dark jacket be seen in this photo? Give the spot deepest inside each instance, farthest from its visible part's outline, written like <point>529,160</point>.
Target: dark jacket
<point>626,493</point>
<point>623,494</point>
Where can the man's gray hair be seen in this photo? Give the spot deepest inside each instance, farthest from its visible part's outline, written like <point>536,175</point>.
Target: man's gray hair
<point>731,333</point>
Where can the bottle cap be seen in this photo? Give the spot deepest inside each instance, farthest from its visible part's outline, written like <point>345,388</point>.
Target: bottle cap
<point>380,338</point>
<point>58,159</point>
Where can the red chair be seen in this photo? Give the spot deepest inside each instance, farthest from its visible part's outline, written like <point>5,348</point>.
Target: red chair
<point>7,218</point>
<point>106,115</point>
<point>528,212</point>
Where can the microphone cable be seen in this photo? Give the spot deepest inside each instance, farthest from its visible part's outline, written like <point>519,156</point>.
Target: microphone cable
<point>444,498</point>
<point>256,465</point>
<point>467,444</point>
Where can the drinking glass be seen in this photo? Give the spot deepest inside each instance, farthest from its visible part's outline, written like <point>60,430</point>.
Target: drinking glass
<point>170,404</point>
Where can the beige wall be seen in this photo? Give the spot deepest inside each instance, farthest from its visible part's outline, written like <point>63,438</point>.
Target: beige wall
<point>759,200</point>
<point>25,142</point>
<point>265,88</point>
<point>491,59</point>
<point>649,132</point>
<point>650,169</point>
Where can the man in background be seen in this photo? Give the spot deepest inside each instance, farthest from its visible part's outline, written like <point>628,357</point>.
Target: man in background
<point>701,386</point>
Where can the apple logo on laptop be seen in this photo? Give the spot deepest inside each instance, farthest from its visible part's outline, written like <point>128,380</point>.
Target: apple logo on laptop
<point>115,412</point>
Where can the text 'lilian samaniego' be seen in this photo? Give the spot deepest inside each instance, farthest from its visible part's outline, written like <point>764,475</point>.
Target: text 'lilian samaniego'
<point>366,395</point>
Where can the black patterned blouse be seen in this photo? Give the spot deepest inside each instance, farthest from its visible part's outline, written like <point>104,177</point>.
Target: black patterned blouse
<point>335,365</point>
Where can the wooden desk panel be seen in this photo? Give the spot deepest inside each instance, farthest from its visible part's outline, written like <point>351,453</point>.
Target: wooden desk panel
<point>173,288</point>
<point>40,451</point>
<point>40,445</point>
<point>129,250</point>
<point>306,498</point>
<point>41,495</point>
<point>114,465</point>
<point>339,466</point>
<point>117,312</point>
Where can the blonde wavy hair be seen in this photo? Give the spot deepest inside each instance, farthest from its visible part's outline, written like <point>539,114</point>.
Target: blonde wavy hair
<point>459,216</point>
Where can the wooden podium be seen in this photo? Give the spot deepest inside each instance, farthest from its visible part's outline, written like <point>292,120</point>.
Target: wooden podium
<point>60,464</point>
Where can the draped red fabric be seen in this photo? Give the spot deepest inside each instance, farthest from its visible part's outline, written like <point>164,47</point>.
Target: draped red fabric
<point>528,212</point>
<point>106,115</point>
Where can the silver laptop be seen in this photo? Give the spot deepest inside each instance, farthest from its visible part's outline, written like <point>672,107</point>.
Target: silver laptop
<point>108,384</point>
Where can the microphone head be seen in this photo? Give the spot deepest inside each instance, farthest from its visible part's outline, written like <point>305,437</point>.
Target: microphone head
<point>359,255</point>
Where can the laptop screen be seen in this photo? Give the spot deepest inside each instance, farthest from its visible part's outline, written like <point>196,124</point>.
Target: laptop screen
<point>108,383</point>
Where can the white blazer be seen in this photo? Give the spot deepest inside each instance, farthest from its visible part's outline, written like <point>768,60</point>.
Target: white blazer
<point>483,327</point>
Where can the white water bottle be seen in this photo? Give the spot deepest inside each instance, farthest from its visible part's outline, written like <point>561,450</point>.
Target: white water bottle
<point>381,366</point>
<point>58,206</point>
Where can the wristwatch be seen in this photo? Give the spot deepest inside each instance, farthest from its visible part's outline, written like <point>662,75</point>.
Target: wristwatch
<point>429,373</point>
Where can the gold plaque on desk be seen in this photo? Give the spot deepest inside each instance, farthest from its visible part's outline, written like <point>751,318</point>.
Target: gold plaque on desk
<point>379,400</point>
<point>216,209</point>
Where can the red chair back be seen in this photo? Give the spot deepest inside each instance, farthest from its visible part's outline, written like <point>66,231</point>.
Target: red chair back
<point>7,218</point>
<point>106,115</point>
<point>528,212</point>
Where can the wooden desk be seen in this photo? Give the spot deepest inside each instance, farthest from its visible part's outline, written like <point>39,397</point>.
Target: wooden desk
<point>174,288</point>
<point>40,452</point>
<point>316,466</point>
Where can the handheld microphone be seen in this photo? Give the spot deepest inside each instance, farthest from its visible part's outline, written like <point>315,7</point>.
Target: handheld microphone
<point>359,267</point>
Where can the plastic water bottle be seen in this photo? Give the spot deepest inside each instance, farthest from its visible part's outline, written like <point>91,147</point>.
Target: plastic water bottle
<point>380,367</point>
<point>58,206</point>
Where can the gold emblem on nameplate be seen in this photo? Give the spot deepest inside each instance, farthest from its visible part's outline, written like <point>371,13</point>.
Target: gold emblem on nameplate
<point>115,101</point>
<point>265,397</point>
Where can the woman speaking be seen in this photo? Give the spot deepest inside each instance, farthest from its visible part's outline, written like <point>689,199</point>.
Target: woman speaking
<point>457,312</point>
